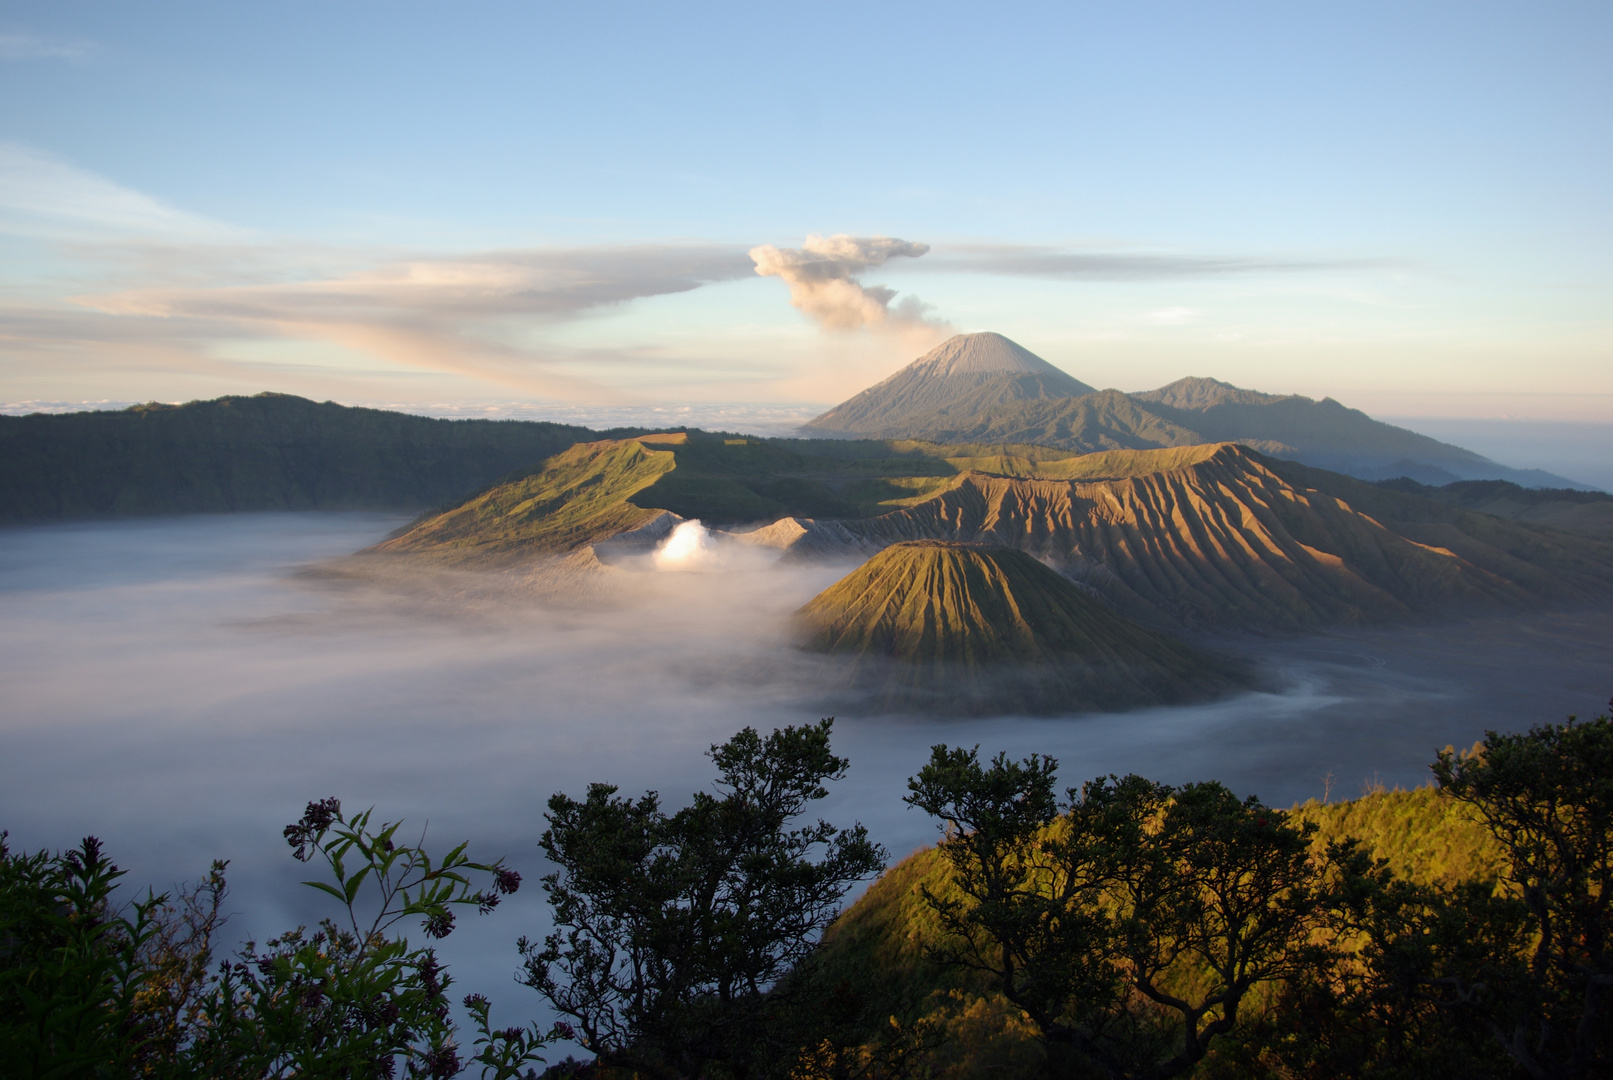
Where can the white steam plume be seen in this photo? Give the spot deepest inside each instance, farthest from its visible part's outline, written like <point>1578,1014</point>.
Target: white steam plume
<point>820,274</point>
<point>689,547</point>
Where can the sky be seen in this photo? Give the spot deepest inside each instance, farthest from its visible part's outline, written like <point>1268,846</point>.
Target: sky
<point>1405,207</point>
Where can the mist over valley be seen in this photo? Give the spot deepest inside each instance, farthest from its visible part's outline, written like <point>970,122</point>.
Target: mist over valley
<point>181,686</point>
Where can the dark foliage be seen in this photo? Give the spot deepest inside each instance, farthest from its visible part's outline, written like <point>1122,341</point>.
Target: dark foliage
<point>671,928</point>
<point>1547,796</point>
<point>1125,929</point>
<point>87,989</point>
<point>70,971</point>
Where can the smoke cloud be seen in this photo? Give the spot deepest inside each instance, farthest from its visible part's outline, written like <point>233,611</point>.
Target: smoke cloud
<point>821,276</point>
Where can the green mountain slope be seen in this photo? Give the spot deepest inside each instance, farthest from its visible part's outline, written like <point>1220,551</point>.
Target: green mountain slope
<point>597,490</point>
<point>966,628</point>
<point>268,452</point>
<point>580,496</point>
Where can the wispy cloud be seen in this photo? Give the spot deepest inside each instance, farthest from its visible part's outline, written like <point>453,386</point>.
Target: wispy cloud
<point>155,287</point>
<point>41,195</point>
<point>544,282</point>
<point>23,46</point>
<point>443,314</point>
<point>1021,260</point>
<point>172,286</point>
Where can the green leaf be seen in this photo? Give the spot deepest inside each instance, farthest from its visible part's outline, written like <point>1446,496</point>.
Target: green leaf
<point>353,885</point>
<point>323,887</point>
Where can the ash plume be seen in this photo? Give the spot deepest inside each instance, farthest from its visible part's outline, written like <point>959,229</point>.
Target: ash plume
<point>821,274</point>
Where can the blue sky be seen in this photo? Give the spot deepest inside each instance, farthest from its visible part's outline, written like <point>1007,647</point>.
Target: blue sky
<point>1405,206</point>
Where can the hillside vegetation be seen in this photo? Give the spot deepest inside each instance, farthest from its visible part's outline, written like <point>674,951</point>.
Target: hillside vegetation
<point>1424,838</point>
<point>1005,948</point>
<point>268,452</point>
<point>580,496</point>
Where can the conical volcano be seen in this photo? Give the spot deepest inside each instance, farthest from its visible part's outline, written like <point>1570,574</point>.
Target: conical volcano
<point>930,625</point>
<point>964,375</point>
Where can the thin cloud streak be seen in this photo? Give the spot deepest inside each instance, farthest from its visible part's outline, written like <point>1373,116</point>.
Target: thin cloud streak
<point>1015,260</point>
<point>155,288</point>
<point>557,282</point>
<point>42,195</point>
<point>37,47</point>
<point>444,315</point>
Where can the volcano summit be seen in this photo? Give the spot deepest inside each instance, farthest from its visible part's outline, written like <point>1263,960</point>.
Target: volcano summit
<point>964,375</point>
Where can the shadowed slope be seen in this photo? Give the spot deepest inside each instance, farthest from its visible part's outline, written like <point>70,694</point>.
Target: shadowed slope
<point>1100,420</point>
<point>965,374</point>
<point>1227,536</point>
<point>1192,411</point>
<point>964,628</point>
<point>1579,511</point>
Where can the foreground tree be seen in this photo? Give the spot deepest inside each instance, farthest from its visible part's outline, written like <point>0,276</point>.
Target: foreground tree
<point>1131,925</point>
<point>1547,796</point>
<point>672,928</point>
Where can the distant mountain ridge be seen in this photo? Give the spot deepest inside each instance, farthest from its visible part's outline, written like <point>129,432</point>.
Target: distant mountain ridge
<point>1582,511</point>
<point>984,401</point>
<point>266,452</point>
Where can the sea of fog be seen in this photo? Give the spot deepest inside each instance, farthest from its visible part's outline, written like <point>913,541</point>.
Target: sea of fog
<point>181,687</point>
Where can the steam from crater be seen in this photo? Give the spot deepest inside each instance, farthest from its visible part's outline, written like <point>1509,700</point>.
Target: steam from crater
<point>689,547</point>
